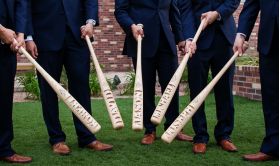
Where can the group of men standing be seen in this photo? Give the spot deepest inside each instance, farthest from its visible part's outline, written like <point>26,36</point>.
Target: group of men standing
<point>53,31</point>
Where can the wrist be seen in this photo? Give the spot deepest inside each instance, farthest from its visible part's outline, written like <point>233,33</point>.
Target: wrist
<point>241,36</point>
<point>89,25</point>
<point>216,15</point>
<point>91,22</point>
<point>219,17</point>
<point>29,38</point>
<point>21,35</point>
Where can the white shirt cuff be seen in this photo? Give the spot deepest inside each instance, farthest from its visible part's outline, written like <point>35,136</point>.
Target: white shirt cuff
<point>242,34</point>
<point>29,38</point>
<point>91,21</point>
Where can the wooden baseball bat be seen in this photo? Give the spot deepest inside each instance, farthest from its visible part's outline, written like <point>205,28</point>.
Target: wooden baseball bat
<point>171,88</point>
<point>90,123</point>
<point>108,96</point>
<point>190,110</point>
<point>137,115</point>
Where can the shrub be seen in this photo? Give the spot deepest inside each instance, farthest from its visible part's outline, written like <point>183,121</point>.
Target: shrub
<point>63,79</point>
<point>129,86</point>
<point>94,86</point>
<point>185,76</point>
<point>30,85</point>
<point>94,83</point>
<point>247,60</point>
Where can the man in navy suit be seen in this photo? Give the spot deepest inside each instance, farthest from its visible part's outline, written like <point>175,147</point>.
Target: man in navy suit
<point>268,47</point>
<point>58,28</point>
<point>159,55</point>
<point>12,16</point>
<point>214,49</point>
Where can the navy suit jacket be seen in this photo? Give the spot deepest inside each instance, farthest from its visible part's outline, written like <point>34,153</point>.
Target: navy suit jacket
<point>191,11</point>
<point>13,14</point>
<point>48,19</point>
<point>153,14</point>
<point>269,17</point>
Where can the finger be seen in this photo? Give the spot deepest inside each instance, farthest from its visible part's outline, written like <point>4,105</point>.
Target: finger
<point>36,51</point>
<point>245,46</point>
<point>82,27</point>
<point>240,51</point>
<point>191,55</point>
<point>203,15</point>
<point>13,45</point>
<point>234,48</point>
<point>183,50</point>
<point>83,35</point>
<point>140,32</point>
<point>193,50</point>
<point>14,35</point>
<point>32,52</point>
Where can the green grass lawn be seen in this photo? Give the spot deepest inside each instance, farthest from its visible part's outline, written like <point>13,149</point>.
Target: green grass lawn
<point>31,138</point>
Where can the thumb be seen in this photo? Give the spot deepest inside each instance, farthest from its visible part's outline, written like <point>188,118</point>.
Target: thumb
<point>36,50</point>
<point>203,15</point>
<point>240,51</point>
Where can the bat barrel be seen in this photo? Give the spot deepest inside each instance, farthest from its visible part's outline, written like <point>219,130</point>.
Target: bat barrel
<point>171,88</point>
<point>137,115</point>
<point>169,92</point>
<point>69,100</point>
<point>169,135</point>
<point>108,96</point>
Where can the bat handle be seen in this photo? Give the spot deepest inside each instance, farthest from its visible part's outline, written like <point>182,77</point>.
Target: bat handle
<point>140,27</point>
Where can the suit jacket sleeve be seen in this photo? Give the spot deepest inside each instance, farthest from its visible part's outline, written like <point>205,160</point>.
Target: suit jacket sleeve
<point>175,21</point>
<point>122,16</point>
<point>21,15</point>
<point>248,17</point>
<point>187,18</point>
<point>2,12</point>
<point>29,28</point>
<point>91,7</point>
<point>227,8</point>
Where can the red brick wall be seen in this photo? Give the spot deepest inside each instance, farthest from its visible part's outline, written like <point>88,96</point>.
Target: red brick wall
<point>247,82</point>
<point>110,37</point>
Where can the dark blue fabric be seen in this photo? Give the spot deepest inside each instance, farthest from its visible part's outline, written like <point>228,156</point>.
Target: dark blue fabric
<point>269,74</point>
<point>76,61</point>
<point>187,18</point>
<point>164,64</point>
<point>227,24</point>
<point>12,16</point>
<point>7,74</point>
<point>269,13</point>
<point>268,46</point>
<point>153,14</point>
<point>48,18</point>
<point>215,58</point>
<point>214,49</point>
<point>3,13</point>
<point>56,31</point>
